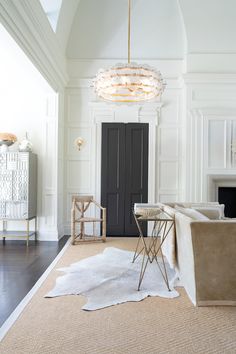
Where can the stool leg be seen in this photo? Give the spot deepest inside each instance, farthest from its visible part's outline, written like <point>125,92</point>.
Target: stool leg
<point>82,235</point>
<point>27,233</point>
<point>35,229</point>
<point>72,226</point>
<point>104,224</point>
<point>4,228</point>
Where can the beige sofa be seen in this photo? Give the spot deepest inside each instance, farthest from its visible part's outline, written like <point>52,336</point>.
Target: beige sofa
<point>204,254</point>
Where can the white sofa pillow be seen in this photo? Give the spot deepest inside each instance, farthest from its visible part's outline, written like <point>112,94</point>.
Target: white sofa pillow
<point>202,208</point>
<point>192,213</point>
<point>211,212</point>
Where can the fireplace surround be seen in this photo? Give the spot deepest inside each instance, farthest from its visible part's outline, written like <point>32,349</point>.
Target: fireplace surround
<point>222,189</point>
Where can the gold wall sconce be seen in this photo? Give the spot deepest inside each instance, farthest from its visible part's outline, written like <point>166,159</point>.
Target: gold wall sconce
<point>79,142</point>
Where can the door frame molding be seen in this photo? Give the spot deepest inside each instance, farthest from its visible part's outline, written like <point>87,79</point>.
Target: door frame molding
<point>105,113</point>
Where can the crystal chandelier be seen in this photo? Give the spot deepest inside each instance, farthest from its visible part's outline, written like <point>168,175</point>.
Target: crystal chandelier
<point>129,82</point>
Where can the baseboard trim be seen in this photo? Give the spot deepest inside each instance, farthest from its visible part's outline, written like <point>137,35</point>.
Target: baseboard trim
<point>216,303</point>
<point>18,310</point>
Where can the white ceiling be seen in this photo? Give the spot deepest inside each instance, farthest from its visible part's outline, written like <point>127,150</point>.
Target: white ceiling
<point>89,29</point>
<point>210,25</point>
<point>100,29</point>
<point>51,5</point>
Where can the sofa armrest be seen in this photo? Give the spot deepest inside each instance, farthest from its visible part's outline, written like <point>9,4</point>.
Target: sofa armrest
<point>214,252</point>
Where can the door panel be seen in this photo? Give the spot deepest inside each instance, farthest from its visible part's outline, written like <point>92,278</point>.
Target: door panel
<point>136,188</point>
<point>124,174</point>
<point>113,176</point>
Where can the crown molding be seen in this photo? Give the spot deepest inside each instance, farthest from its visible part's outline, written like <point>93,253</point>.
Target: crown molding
<point>211,63</point>
<point>29,26</point>
<point>209,78</point>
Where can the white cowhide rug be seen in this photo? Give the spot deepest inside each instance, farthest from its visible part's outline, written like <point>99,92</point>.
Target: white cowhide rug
<point>111,278</point>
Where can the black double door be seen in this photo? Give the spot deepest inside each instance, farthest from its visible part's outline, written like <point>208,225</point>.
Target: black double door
<point>124,174</point>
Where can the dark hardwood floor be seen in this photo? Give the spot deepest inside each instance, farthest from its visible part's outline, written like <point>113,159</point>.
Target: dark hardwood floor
<point>20,268</point>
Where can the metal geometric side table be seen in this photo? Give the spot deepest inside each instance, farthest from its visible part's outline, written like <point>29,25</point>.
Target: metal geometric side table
<point>149,247</point>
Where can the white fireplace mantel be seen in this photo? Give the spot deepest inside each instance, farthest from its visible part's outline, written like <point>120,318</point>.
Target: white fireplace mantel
<point>219,180</point>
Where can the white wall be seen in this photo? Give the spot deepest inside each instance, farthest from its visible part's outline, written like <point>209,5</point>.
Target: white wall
<point>210,29</point>
<point>28,104</point>
<point>210,25</point>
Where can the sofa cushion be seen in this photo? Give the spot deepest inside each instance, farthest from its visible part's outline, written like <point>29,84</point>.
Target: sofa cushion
<point>192,213</point>
<point>211,212</point>
<point>214,210</point>
<point>169,210</point>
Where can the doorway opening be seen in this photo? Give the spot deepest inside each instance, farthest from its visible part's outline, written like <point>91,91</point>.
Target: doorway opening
<point>124,174</point>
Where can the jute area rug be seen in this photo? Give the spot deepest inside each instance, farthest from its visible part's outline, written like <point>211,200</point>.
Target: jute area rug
<point>154,325</point>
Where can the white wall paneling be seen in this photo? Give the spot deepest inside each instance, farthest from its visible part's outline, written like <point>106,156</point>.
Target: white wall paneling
<point>210,141</point>
<point>215,181</point>
<point>60,166</point>
<point>168,197</point>
<point>168,175</point>
<point>210,131</point>
<point>216,130</point>
<point>170,148</point>
<point>30,105</point>
<point>84,118</point>
<point>79,175</point>
<point>48,213</point>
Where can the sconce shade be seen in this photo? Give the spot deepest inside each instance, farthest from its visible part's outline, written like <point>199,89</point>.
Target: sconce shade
<point>79,142</point>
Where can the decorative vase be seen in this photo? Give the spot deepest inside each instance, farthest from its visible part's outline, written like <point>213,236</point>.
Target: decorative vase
<point>6,140</point>
<point>25,145</point>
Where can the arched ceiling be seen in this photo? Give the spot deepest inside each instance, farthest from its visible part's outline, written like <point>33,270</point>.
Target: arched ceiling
<point>200,31</point>
<point>65,21</point>
<point>99,30</point>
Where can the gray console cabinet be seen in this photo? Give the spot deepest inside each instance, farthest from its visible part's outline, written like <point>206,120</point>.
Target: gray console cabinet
<point>18,191</point>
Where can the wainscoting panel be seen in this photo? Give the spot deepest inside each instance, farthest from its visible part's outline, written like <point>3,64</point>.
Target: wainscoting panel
<point>214,94</point>
<point>171,108</point>
<point>168,142</point>
<point>216,152</point>
<point>168,198</point>
<point>168,173</point>
<point>79,175</point>
<point>50,217</point>
<point>77,105</point>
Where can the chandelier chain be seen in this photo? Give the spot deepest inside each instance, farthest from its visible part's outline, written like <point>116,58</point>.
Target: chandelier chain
<point>129,13</point>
